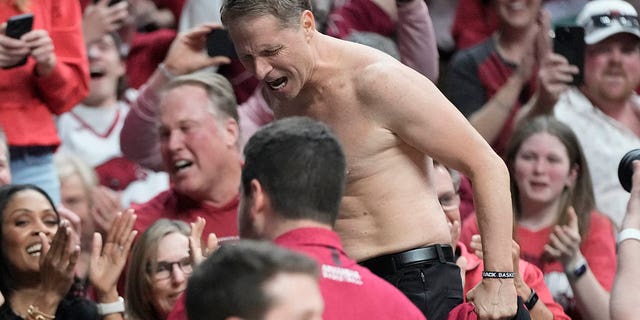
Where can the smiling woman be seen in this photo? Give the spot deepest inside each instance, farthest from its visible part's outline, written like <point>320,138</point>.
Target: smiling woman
<point>38,257</point>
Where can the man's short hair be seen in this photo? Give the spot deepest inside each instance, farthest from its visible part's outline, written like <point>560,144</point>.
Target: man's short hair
<point>231,282</point>
<point>218,88</point>
<point>301,166</point>
<point>288,12</point>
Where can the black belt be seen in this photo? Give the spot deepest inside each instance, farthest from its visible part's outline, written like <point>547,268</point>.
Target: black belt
<point>21,152</point>
<point>391,263</point>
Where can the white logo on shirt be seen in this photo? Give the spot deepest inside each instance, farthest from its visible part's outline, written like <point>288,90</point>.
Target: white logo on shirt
<point>341,274</point>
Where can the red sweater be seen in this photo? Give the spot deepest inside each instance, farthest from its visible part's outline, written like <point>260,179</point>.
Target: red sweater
<point>27,102</point>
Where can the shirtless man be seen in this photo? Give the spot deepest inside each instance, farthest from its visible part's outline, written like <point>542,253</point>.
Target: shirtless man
<point>387,117</point>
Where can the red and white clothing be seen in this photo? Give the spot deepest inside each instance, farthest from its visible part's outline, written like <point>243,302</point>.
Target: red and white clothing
<point>93,134</point>
<point>598,248</point>
<point>27,101</point>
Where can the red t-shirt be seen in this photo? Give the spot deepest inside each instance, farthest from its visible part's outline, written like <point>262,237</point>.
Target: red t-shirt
<point>223,221</point>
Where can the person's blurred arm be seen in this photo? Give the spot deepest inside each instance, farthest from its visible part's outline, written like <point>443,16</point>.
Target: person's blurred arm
<point>62,77</point>
<point>625,303</point>
<point>417,38</point>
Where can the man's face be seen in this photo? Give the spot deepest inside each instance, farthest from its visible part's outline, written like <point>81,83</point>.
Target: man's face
<point>280,57</point>
<point>294,297</point>
<point>612,68</point>
<point>449,200</point>
<point>196,147</point>
<point>106,68</point>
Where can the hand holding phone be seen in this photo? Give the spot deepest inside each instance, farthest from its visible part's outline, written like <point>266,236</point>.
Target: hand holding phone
<point>17,26</point>
<point>569,42</point>
<point>219,44</point>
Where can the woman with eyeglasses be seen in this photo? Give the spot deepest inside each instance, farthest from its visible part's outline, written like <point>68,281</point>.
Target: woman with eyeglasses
<point>159,267</point>
<point>557,226</point>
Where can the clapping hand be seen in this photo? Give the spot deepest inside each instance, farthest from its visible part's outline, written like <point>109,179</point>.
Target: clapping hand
<point>108,261</point>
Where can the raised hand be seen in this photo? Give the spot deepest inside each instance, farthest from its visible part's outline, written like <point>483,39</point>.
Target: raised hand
<point>108,261</point>
<point>198,254</point>
<point>100,18</point>
<point>106,205</point>
<point>187,52</point>
<point>564,242</point>
<point>57,263</point>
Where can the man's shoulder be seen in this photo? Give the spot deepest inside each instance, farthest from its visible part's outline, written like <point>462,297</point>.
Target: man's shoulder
<point>160,201</point>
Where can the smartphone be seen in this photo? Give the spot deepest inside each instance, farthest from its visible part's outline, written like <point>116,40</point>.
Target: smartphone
<point>17,26</point>
<point>219,44</point>
<point>569,42</point>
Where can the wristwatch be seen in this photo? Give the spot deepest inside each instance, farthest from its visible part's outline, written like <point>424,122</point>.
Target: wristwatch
<point>580,270</point>
<point>533,299</point>
<point>113,307</point>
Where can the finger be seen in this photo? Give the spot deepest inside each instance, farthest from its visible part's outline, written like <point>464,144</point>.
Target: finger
<point>556,242</point>
<point>573,218</point>
<point>218,60</point>
<point>212,243</point>
<point>58,242</point>
<point>129,243</point>
<point>102,3</point>
<point>45,246</point>
<point>115,228</point>
<point>552,252</point>
<point>96,248</point>
<point>73,259</point>
<point>3,28</point>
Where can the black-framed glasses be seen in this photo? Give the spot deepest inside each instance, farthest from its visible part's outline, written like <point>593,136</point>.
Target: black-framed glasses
<point>605,20</point>
<point>164,269</point>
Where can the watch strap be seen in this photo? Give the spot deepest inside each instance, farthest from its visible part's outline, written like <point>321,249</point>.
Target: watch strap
<point>112,307</point>
<point>533,299</point>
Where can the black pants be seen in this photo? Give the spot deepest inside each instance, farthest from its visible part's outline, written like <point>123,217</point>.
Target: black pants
<point>433,284</point>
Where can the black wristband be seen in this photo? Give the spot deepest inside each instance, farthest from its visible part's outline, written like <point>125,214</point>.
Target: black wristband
<point>533,299</point>
<point>497,275</point>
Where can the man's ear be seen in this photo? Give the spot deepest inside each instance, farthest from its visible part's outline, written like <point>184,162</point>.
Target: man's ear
<point>259,206</point>
<point>232,132</point>
<point>308,23</point>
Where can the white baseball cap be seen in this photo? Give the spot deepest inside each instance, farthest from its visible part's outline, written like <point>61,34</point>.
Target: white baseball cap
<point>604,18</point>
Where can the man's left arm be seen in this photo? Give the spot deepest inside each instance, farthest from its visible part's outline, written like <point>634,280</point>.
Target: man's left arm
<point>413,108</point>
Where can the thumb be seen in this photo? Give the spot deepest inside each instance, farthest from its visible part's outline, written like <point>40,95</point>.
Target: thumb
<point>3,28</point>
<point>573,218</point>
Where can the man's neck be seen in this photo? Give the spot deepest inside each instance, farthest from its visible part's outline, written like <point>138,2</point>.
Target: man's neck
<point>226,190</point>
<point>282,226</point>
<point>623,111</point>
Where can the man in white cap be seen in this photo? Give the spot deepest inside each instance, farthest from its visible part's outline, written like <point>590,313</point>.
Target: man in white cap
<point>605,110</point>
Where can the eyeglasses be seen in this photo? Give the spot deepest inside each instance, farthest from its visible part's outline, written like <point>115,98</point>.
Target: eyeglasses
<point>449,201</point>
<point>164,269</point>
<point>605,20</point>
